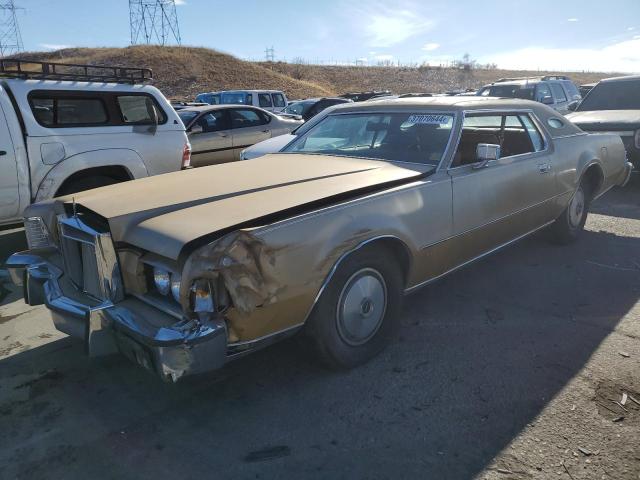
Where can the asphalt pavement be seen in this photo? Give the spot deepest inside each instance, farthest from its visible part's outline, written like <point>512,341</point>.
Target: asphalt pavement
<point>511,368</point>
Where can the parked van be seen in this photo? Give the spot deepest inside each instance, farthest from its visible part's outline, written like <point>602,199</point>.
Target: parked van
<point>62,133</point>
<point>271,100</point>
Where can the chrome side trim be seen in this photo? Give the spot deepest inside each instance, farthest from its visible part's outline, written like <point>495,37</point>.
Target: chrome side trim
<point>411,290</point>
<point>240,349</point>
<point>620,133</point>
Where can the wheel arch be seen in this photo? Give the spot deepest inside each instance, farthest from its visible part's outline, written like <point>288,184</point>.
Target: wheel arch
<point>117,172</point>
<point>392,243</point>
<point>593,175</point>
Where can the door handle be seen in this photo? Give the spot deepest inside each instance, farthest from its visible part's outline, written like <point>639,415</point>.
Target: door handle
<point>2,152</point>
<point>266,131</point>
<point>224,135</point>
<point>544,167</point>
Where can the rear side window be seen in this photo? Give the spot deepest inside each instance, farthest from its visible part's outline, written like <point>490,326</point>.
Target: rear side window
<point>278,100</point>
<point>264,100</point>
<point>241,118</point>
<point>139,110</point>
<point>51,112</point>
<point>558,92</point>
<point>59,109</point>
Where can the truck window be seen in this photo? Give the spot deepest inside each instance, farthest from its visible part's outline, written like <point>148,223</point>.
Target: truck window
<point>74,111</point>
<point>264,100</point>
<point>138,109</point>
<point>558,92</point>
<point>278,100</point>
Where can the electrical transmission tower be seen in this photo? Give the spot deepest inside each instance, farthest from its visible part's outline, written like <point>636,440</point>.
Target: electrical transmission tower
<point>10,38</point>
<point>270,54</point>
<point>153,22</point>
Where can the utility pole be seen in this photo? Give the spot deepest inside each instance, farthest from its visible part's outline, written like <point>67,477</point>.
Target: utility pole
<point>269,54</point>
<point>154,22</point>
<point>10,38</point>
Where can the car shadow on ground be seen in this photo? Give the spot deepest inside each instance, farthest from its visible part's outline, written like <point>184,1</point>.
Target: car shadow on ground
<point>480,354</point>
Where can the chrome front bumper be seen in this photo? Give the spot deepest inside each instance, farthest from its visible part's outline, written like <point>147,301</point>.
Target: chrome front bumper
<point>153,339</point>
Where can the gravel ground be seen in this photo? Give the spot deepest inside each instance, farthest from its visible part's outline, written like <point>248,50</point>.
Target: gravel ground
<point>508,369</point>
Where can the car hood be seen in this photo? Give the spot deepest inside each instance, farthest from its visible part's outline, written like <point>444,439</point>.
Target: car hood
<point>162,214</point>
<point>606,120</point>
<point>271,145</point>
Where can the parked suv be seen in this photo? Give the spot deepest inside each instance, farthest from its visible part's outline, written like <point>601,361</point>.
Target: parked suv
<point>63,132</point>
<point>557,91</point>
<point>613,106</point>
<point>306,109</point>
<point>271,100</point>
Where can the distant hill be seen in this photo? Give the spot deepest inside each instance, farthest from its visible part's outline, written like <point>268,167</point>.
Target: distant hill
<point>182,72</point>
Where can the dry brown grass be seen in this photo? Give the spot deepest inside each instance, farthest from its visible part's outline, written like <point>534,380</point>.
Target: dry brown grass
<point>182,72</point>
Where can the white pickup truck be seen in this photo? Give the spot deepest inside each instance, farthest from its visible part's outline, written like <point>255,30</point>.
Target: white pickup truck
<point>67,128</point>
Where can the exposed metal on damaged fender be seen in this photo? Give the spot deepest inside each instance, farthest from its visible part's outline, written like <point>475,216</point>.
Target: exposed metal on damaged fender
<point>246,265</point>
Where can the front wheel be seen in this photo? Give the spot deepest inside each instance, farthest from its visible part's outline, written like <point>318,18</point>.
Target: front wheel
<point>568,226</point>
<point>358,313</point>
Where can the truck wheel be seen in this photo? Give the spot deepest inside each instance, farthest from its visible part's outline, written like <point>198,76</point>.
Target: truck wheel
<point>86,183</point>
<point>357,315</point>
<point>568,226</point>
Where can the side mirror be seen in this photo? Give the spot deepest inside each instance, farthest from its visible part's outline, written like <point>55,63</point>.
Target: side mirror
<point>573,106</point>
<point>547,100</point>
<point>485,152</point>
<point>196,129</point>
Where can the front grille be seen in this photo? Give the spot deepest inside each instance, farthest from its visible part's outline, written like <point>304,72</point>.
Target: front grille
<point>89,259</point>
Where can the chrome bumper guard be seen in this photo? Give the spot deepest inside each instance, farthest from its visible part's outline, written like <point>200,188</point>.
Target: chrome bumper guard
<point>149,337</point>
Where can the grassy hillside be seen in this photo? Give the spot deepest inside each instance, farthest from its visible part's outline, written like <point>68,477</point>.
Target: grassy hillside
<point>182,72</point>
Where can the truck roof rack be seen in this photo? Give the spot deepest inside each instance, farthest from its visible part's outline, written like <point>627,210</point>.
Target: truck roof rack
<point>30,69</point>
<point>535,77</point>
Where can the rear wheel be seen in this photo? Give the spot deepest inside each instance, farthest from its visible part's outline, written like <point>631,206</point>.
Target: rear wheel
<point>358,313</point>
<point>568,226</point>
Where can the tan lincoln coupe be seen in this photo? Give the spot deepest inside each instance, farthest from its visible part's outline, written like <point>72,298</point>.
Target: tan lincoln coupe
<point>186,271</point>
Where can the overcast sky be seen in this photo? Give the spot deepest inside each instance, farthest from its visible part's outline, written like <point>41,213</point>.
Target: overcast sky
<point>544,34</point>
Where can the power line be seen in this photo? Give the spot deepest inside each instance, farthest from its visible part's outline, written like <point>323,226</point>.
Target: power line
<point>154,22</point>
<point>10,38</point>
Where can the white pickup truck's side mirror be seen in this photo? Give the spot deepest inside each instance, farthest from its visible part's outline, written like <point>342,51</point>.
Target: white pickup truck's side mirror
<point>485,152</point>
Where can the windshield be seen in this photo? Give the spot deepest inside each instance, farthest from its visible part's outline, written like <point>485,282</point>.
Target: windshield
<point>210,98</point>
<point>622,95</point>
<point>511,91</point>
<point>298,108</point>
<point>187,116</point>
<point>238,98</point>
<point>402,137</point>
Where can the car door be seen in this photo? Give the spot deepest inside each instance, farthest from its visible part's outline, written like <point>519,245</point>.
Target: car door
<point>561,102</point>
<point>9,182</point>
<point>249,126</point>
<point>211,138</point>
<point>508,197</point>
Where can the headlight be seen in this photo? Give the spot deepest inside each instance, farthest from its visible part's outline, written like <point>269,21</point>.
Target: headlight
<point>162,280</point>
<point>202,297</point>
<point>175,286</point>
<point>637,138</point>
<point>37,233</point>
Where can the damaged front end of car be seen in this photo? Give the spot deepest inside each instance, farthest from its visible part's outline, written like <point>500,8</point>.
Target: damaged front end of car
<point>166,316</point>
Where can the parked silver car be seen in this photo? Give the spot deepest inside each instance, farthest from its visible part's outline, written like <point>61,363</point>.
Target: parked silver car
<point>218,133</point>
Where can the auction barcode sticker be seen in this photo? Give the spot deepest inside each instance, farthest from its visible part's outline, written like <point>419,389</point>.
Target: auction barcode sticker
<point>429,119</point>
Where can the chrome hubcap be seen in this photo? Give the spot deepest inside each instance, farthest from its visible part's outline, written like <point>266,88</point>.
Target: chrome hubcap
<point>361,306</point>
<point>576,208</point>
